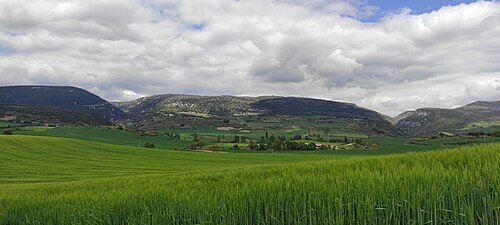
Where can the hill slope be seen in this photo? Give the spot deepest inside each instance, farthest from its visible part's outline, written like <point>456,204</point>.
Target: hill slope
<point>70,98</point>
<point>162,111</point>
<point>44,159</point>
<point>432,120</point>
<point>37,114</point>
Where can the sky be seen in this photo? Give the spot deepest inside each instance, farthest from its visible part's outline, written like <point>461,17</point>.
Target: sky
<point>389,56</point>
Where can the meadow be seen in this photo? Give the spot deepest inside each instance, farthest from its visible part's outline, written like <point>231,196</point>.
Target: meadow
<point>208,135</point>
<point>104,135</point>
<point>49,180</point>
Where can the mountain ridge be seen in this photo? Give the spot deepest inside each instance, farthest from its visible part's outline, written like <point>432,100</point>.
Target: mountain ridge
<point>64,97</point>
<point>154,110</point>
<point>427,121</point>
<point>181,110</point>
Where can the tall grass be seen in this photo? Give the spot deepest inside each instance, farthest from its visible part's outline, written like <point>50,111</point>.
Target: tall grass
<point>459,186</point>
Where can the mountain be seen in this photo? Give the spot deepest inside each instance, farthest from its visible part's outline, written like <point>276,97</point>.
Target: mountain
<point>175,103</point>
<point>46,115</point>
<point>164,111</point>
<point>69,98</point>
<point>482,109</point>
<point>312,107</point>
<point>61,104</point>
<point>428,121</point>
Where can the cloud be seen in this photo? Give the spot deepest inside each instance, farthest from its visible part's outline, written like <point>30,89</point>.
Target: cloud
<point>122,49</point>
<point>359,9</point>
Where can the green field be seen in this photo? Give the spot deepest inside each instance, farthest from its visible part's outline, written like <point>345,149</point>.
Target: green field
<point>6,124</point>
<point>386,145</point>
<point>104,135</point>
<point>483,125</point>
<point>254,134</point>
<point>47,180</point>
<point>456,141</point>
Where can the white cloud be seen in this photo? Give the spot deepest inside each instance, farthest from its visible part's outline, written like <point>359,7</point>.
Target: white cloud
<point>122,49</point>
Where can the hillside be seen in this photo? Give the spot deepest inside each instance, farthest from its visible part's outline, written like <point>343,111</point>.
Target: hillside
<point>24,156</point>
<point>428,121</point>
<point>70,105</point>
<point>173,103</point>
<point>294,106</point>
<point>36,114</point>
<point>70,98</point>
<point>482,109</point>
<point>164,111</point>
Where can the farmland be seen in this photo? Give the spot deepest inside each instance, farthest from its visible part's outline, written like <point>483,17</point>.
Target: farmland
<point>104,135</point>
<point>209,135</point>
<point>47,180</point>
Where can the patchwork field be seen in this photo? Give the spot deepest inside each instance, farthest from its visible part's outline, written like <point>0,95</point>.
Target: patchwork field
<point>48,180</point>
<point>208,135</point>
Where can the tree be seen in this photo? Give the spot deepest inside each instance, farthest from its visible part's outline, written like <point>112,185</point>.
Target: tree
<point>276,145</point>
<point>252,146</point>
<point>197,145</point>
<point>7,132</point>
<point>149,145</point>
<point>292,145</point>
<point>236,147</point>
<point>195,137</point>
<point>236,139</point>
<point>272,138</point>
<point>214,148</point>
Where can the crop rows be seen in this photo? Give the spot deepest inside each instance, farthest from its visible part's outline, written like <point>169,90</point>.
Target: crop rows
<point>459,186</point>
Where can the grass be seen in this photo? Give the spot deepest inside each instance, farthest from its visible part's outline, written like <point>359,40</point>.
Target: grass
<point>45,180</point>
<point>204,115</point>
<point>6,124</point>
<point>386,145</point>
<point>212,133</point>
<point>105,135</point>
<point>482,125</point>
<point>63,157</point>
<point>454,141</point>
<point>230,145</point>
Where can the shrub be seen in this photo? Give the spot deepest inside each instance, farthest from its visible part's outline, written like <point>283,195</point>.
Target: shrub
<point>149,145</point>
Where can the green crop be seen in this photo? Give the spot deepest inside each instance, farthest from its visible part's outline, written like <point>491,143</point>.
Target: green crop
<point>62,181</point>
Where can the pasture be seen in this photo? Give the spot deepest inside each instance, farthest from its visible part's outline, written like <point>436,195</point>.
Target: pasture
<point>104,135</point>
<point>384,145</point>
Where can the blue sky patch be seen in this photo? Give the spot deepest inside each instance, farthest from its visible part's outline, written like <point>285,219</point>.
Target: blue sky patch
<point>417,7</point>
<point>198,26</point>
<point>6,50</point>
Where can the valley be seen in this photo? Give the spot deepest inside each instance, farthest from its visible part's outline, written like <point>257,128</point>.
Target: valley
<point>179,159</point>
<point>268,112</point>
